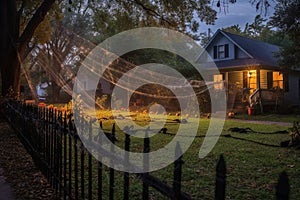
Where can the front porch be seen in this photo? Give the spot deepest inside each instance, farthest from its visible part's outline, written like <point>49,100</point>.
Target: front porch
<point>262,89</point>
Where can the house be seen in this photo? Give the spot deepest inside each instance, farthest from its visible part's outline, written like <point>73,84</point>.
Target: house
<point>250,73</point>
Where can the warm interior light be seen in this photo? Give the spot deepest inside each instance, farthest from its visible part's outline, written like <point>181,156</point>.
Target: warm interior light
<point>251,73</point>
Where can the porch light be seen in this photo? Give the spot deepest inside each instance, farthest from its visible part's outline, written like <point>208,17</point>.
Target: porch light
<point>251,73</point>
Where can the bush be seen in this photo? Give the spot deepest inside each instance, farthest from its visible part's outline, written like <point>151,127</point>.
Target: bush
<point>294,132</point>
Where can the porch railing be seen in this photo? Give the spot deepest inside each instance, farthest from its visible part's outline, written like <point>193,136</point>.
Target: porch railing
<point>266,96</point>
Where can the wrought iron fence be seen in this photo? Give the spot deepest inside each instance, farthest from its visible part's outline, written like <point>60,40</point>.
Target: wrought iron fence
<point>51,138</point>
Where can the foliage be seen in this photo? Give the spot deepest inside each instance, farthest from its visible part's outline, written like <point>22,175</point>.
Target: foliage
<point>57,61</point>
<point>261,29</point>
<point>81,21</point>
<point>287,19</point>
<point>235,29</point>
<point>42,33</point>
<point>19,169</point>
<point>101,102</point>
<point>294,132</point>
<point>75,105</point>
<point>112,17</point>
<point>144,56</point>
<point>29,22</point>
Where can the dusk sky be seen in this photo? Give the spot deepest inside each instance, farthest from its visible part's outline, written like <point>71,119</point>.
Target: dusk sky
<point>238,13</point>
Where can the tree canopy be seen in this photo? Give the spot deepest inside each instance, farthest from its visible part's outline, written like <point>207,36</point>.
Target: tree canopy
<point>26,22</point>
<point>287,19</point>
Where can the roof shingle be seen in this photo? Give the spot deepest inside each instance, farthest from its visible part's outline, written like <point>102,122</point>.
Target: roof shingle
<point>259,50</point>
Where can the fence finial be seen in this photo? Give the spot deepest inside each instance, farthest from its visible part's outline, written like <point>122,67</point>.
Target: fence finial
<point>220,179</point>
<point>283,187</point>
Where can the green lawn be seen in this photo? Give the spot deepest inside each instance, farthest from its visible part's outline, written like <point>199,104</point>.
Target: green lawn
<point>252,169</point>
<point>270,117</point>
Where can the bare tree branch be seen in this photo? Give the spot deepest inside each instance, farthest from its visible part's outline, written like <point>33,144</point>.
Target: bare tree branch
<point>152,12</point>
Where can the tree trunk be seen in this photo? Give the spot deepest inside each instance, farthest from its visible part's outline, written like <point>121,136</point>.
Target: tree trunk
<point>12,43</point>
<point>10,67</point>
<point>55,92</point>
<point>10,73</point>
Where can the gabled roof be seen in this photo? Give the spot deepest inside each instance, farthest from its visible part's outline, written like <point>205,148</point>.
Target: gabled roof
<point>259,52</point>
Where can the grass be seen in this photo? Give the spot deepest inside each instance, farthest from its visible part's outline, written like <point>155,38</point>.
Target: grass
<point>252,169</point>
<point>270,117</point>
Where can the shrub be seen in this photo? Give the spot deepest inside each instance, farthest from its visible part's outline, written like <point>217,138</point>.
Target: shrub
<point>294,132</point>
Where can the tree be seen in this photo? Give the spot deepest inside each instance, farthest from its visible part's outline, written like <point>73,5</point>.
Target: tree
<point>15,38</point>
<point>287,19</point>
<point>19,24</point>
<point>59,59</point>
<point>236,29</point>
<point>260,29</point>
<point>256,29</point>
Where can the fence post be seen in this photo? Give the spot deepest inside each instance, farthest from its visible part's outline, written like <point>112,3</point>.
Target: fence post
<point>75,144</point>
<point>51,132</point>
<point>65,132</point>
<point>146,164</point>
<point>126,161</point>
<point>60,152</point>
<point>111,170</point>
<point>220,179</point>
<point>47,143</point>
<point>177,173</point>
<point>283,187</point>
<point>82,159</point>
<point>56,151</point>
<point>70,133</point>
<point>90,181</point>
<point>100,135</point>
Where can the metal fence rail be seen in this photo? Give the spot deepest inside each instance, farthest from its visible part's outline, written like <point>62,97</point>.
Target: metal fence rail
<point>50,137</point>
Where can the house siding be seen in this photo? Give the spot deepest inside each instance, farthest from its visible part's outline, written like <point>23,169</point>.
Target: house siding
<point>248,55</point>
<point>264,79</point>
<point>236,78</point>
<point>239,54</point>
<point>292,96</point>
<point>222,41</point>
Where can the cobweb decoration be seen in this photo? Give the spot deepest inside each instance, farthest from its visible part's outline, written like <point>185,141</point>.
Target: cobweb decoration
<point>115,71</point>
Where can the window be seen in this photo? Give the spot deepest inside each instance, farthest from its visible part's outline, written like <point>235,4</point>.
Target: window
<point>278,80</point>
<point>218,82</point>
<point>221,51</point>
<point>252,80</point>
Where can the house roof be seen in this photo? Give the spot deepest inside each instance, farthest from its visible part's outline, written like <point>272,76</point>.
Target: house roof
<point>260,53</point>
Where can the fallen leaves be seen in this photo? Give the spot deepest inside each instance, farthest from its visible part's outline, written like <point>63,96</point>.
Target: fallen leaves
<point>21,174</point>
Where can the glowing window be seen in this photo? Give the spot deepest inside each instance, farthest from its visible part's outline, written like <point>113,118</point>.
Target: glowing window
<point>218,82</point>
<point>252,79</point>
<point>278,80</point>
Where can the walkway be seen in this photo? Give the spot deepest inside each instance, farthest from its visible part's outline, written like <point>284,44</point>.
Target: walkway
<point>19,177</point>
<point>263,122</point>
<point>5,189</point>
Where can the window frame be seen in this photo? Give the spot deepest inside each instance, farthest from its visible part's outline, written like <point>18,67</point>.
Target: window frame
<point>221,51</point>
<point>218,80</point>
